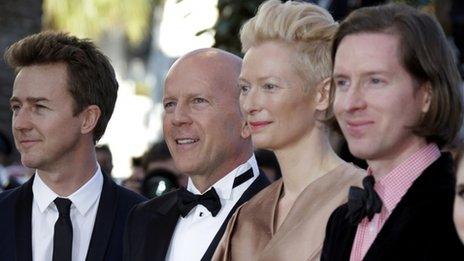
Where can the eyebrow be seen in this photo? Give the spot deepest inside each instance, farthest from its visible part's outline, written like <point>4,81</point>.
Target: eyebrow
<point>337,75</point>
<point>30,99</point>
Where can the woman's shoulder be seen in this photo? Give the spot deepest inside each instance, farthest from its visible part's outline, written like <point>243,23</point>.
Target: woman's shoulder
<point>268,194</point>
<point>349,174</point>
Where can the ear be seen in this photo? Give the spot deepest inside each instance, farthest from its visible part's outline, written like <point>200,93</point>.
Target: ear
<point>246,132</point>
<point>322,94</point>
<point>90,117</point>
<point>427,97</point>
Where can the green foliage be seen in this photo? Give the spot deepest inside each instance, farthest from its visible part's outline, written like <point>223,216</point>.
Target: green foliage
<point>232,15</point>
<point>90,18</point>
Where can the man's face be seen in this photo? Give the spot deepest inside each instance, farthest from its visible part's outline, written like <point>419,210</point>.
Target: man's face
<point>45,131</point>
<point>376,99</point>
<point>202,120</point>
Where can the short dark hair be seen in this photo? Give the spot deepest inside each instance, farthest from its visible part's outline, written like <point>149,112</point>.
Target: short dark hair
<point>91,78</point>
<point>425,54</point>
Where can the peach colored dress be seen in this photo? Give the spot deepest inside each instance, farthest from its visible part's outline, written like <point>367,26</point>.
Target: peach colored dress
<point>250,233</point>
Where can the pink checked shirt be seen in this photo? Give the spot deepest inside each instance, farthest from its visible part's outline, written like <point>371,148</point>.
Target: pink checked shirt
<point>391,188</point>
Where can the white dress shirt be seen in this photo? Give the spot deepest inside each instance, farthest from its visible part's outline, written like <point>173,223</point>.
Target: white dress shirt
<point>194,233</point>
<point>83,212</point>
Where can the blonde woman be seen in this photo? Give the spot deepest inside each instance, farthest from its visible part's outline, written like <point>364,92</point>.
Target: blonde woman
<point>285,82</point>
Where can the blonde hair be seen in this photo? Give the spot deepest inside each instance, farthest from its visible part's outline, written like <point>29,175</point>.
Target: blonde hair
<point>308,27</point>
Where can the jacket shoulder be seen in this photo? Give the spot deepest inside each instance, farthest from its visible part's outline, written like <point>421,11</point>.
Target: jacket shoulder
<point>153,205</point>
<point>129,196</point>
<point>8,197</point>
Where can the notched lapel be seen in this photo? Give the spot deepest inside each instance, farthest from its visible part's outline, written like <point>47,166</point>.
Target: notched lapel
<point>23,220</point>
<point>160,230</point>
<point>104,221</point>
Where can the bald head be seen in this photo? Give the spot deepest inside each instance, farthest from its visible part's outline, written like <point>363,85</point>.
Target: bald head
<point>217,66</point>
<point>202,122</point>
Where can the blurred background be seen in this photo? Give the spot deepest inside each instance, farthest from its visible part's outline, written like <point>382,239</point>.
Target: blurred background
<point>143,38</point>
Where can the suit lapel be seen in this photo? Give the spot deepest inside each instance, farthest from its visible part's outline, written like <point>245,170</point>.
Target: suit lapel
<point>23,219</point>
<point>348,233</point>
<point>104,221</point>
<point>257,185</point>
<point>160,230</point>
<point>421,191</point>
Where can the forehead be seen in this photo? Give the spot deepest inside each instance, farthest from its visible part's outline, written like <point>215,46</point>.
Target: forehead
<point>190,79</point>
<point>367,52</point>
<point>47,81</point>
<point>270,57</point>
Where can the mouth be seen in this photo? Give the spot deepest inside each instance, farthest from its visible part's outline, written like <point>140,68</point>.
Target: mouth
<point>357,128</point>
<point>258,125</point>
<point>28,143</point>
<point>186,141</point>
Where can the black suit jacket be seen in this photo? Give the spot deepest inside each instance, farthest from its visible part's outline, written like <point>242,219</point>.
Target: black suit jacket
<point>107,236</point>
<point>150,225</point>
<point>419,228</point>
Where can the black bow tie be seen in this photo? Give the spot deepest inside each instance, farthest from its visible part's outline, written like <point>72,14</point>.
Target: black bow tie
<point>186,200</point>
<point>363,202</point>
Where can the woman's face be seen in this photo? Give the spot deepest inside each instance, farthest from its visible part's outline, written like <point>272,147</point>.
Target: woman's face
<point>459,200</point>
<point>277,109</point>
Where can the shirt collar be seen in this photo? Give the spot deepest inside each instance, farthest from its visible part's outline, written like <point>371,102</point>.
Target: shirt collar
<point>392,187</point>
<point>82,199</point>
<point>224,186</point>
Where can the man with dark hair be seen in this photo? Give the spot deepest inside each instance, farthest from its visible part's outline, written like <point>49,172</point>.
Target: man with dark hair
<point>397,101</point>
<point>63,97</point>
<point>205,132</point>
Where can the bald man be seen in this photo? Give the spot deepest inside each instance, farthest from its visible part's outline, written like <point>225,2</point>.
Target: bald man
<point>207,137</point>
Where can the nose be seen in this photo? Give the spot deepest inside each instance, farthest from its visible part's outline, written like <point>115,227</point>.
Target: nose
<point>181,115</point>
<point>251,102</point>
<point>21,120</point>
<point>353,100</point>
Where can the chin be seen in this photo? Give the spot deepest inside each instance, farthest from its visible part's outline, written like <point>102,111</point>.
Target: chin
<point>360,153</point>
<point>261,142</point>
<point>30,163</point>
<point>185,167</point>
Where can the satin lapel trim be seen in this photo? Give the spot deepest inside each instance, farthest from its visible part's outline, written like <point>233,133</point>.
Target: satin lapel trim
<point>23,220</point>
<point>255,187</point>
<point>104,221</point>
<point>160,230</point>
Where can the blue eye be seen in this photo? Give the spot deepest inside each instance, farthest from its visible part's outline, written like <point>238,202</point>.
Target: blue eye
<point>244,89</point>
<point>269,86</point>
<point>14,107</point>
<point>168,105</point>
<point>199,100</point>
<point>341,83</point>
<point>375,81</point>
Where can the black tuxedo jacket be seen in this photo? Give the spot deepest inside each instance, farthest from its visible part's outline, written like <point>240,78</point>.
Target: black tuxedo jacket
<point>150,225</point>
<point>107,236</point>
<point>419,228</point>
